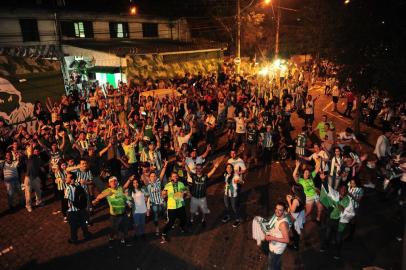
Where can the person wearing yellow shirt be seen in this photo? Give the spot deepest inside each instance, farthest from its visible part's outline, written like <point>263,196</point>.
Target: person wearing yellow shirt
<point>175,192</point>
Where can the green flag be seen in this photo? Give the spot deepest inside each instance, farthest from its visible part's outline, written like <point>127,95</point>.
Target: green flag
<point>328,198</point>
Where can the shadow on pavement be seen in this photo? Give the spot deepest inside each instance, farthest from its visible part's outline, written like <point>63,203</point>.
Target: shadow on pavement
<point>139,256</point>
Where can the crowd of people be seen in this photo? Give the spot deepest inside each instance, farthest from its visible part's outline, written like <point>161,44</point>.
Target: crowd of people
<point>141,154</point>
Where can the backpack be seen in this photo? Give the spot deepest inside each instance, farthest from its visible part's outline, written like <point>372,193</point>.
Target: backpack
<point>80,198</point>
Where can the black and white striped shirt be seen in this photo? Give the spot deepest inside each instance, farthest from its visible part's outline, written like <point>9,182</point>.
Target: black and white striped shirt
<point>85,175</point>
<point>70,196</point>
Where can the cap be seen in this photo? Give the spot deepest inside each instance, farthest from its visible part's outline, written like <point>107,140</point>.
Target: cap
<point>112,178</point>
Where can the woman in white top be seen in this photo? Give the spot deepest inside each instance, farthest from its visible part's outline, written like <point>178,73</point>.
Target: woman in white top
<point>139,206</point>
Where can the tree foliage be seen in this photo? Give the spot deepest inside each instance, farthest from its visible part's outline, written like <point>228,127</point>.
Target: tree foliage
<point>364,38</point>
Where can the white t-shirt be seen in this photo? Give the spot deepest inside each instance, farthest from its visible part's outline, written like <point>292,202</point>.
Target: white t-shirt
<point>139,202</point>
<point>309,106</point>
<point>238,165</point>
<point>345,138</point>
<point>317,158</point>
<point>240,125</point>
<point>183,139</point>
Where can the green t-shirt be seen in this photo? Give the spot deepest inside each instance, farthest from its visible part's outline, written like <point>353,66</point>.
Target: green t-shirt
<point>308,186</point>
<point>175,196</point>
<point>117,200</point>
<point>322,129</point>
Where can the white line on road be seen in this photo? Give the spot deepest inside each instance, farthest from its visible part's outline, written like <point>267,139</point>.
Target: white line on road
<point>333,115</point>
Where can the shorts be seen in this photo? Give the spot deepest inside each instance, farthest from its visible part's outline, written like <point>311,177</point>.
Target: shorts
<point>335,99</point>
<point>199,203</point>
<point>313,199</point>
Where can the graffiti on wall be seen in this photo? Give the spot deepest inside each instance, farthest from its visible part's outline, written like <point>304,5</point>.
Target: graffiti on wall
<point>12,107</point>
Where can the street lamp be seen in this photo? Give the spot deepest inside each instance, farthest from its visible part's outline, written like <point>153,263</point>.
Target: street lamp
<point>133,10</point>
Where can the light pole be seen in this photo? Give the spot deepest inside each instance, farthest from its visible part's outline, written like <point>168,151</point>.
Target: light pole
<point>278,21</point>
<point>238,39</point>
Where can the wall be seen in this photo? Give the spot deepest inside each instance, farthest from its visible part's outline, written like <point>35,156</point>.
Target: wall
<point>169,66</point>
<point>10,33</point>
<point>101,30</point>
<point>23,80</point>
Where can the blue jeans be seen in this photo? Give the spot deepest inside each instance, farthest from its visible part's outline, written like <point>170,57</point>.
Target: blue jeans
<point>13,188</point>
<point>157,209</point>
<point>232,202</point>
<point>139,223</point>
<point>274,261</point>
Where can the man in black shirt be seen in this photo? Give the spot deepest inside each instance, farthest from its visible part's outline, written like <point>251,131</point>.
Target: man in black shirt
<point>31,179</point>
<point>198,191</point>
<point>251,147</point>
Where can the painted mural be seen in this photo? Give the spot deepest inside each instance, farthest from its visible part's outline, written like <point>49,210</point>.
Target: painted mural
<point>24,80</point>
<point>157,66</point>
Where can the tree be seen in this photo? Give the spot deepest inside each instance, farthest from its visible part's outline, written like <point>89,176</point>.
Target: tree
<point>365,40</point>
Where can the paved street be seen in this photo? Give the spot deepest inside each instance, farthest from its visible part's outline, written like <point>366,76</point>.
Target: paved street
<point>39,239</point>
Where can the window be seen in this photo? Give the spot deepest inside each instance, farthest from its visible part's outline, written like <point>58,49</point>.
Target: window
<point>78,29</point>
<point>29,30</point>
<point>118,29</point>
<point>150,29</point>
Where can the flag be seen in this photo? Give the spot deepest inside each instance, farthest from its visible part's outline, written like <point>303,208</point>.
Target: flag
<point>329,198</point>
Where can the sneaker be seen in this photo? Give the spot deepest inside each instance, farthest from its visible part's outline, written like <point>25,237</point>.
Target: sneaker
<point>164,239</point>
<point>73,242</point>
<point>322,249</point>
<point>157,231</point>
<point>111,243</point>
<point>236,223</point>
<point>40,204</point>
<point>399,239</point>
<point>336,257</point>
<point>225,219</point>
<point>128,243</point>
<point>29,209</point>
<point>65,219</point>
<point>369,185</point>
<point>56,212</point>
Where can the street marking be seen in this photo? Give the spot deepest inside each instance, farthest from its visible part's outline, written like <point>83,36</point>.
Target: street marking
<point>340,117</point>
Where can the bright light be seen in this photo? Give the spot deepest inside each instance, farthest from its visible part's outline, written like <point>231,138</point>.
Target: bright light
<point>264,71</point>
<point>346,2</point>
<point>277,66</point>
<point>267,2</point>
<point>133,10</point>
<point>277,63</point>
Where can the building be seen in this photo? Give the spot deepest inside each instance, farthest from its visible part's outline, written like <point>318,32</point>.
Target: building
<point>37,47</point>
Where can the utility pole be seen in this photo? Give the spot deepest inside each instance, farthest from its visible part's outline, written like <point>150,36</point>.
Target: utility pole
<point>238,39</point>
<point>278,21</point>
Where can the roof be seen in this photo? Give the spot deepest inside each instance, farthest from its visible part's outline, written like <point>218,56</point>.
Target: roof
<point>146,46</point>
<point>48,14</point>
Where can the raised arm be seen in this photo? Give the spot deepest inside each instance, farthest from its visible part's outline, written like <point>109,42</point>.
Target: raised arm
<point>163,170</point>
<point>296,171</point>
<point>206,153</point>
<point>213,170</point>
